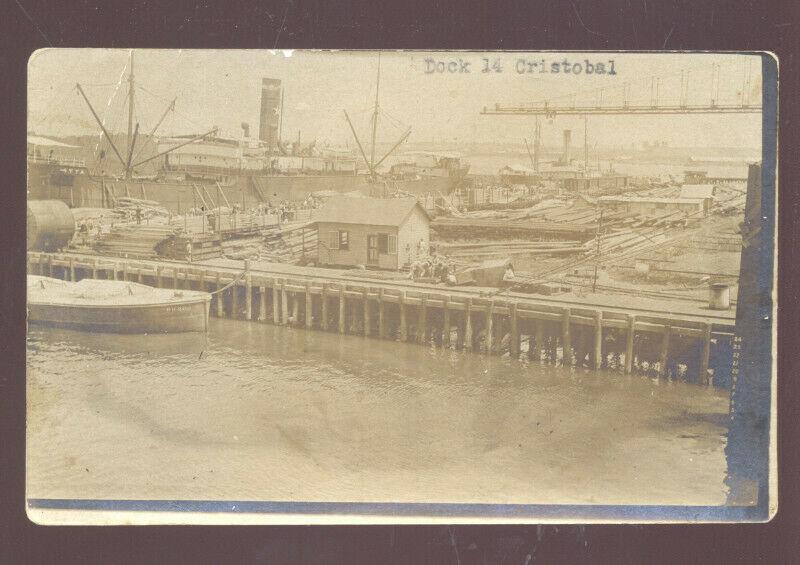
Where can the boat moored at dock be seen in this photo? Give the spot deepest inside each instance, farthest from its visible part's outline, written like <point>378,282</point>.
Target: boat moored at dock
<point>116,306</point>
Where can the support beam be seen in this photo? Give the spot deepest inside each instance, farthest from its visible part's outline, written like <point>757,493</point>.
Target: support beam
<point>381,315</point>
<point>342,311</point>
<point>248,297</point>
<point>446,321</point>
<point>309,307</point>
<point>514,346</point>
<point>284,303</point>
<point>468,324</point>
<point>234,301</point>
<point>219,296</point>
<point>366,313</point>
<point>403,322</point>
<point>598,339</point>
<point>664,357</point>
<point>706,354</point>
<point>629,341</point>
<point>262,304</point>
<point>566,337</point>
<point>489,327</point>
<point>276,303</point>
<point>422,324</point>
<point>324,306</point>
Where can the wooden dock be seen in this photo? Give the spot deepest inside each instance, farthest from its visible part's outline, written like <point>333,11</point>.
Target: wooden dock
<point>693,346</point>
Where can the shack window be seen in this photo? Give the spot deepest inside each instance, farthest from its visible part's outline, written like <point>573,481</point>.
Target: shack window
<point>392,244</point>
<point>335,240</point>
<point>383,243</point>
<point>344,240</point>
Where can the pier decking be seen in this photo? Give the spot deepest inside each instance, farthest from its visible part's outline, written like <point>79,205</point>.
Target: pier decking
<point>672,340</point>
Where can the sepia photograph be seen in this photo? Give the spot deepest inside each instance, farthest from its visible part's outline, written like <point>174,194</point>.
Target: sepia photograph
<point>308,286</point>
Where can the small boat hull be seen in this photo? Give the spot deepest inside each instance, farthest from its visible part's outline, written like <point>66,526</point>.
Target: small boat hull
<point>116,306</point>
<point>130,319</point>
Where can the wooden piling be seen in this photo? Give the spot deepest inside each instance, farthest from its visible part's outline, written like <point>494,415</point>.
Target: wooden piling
<point>366,313</point>
<point>140,275</point>
<point>276,303</point>
<point>41,265</point>
<point>284,303</point>
<point>262,304</point>
<point>468,324</point>
<point>629,343</point>
<point>598,339</point>
<point>446,321</point>
<point>218,296</point>
<point>422,329</point>
<point>174,278</point>
<point>403,322</point>
<point>248,297</point>
<point>72,269</point>
<point>489,326</point>
<point>514,346</point>
<point>309,306</point>
<point>201,282</point>
<point>125,271</point>
<point>114,267</point>
<point>324,306</point>
<point>706,354</point>
<point>381,315</point>
<point>342,313</point>
<point>566,337</point>
<point>235,300</point>
<point>295,308</point>
<point>158,277</point>
<point>664,357</point>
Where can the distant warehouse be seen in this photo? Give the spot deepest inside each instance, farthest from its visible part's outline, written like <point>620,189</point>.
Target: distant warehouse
<point>379,232</point>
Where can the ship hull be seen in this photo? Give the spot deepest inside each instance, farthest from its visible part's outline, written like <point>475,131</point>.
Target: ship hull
<point>82,190</point>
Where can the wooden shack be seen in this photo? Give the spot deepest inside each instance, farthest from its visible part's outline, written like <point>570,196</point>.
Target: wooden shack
<point>385,233</point>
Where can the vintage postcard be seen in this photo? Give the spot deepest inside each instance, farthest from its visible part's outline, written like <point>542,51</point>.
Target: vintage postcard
<point>400,286</point>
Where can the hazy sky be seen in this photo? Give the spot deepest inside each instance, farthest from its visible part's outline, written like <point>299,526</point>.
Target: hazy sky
<point>222,88</point>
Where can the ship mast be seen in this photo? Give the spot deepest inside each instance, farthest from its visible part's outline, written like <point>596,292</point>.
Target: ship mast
<point>375,117</point>
<point>131,101</point>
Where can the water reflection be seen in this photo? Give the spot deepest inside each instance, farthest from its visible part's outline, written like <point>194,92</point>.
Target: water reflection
<point>263,412</point>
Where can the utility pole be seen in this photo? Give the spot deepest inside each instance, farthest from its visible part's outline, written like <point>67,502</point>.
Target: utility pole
<point>597,259</point>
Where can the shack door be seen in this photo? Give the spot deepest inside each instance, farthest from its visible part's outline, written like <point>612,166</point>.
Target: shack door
<point>372,249</point>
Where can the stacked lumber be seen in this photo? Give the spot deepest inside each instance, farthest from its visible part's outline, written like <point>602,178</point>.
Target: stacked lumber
<point>290,245</point>
<point>479,228</point>
<point>134,240</point>
<point>187,246</point>
<point>490,249</point>
<point>126,208</point>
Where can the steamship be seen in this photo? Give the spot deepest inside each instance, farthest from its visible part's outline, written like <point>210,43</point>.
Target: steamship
<point>210,170</point>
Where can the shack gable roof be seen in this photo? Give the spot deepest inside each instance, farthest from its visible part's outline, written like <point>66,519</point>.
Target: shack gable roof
<point>367,211</point>
<point>697,191</point>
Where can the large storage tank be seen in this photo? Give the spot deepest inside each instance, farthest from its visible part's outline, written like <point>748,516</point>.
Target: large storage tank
<point>51,225</point>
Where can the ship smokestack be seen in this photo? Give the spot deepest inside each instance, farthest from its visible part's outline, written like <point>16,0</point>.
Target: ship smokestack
<point>269,122</point>
<point>566,157</point>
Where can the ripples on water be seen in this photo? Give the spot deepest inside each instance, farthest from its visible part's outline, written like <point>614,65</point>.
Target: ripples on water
<point>254,411</point>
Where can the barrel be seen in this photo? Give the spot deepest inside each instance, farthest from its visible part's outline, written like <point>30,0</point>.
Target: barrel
<point>51,225</point>
<point>719,297</point>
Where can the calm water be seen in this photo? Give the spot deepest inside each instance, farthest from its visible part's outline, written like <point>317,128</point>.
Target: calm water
<point>254,411</point>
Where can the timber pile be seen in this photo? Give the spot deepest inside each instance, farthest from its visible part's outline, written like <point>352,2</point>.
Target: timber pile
<point>480,228</point>
<point>489,249</point>
<point>134,240</point>
<point>290,245</point>
<point>126,208</point>
<point>186,246</point>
